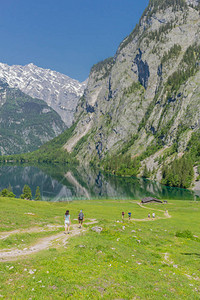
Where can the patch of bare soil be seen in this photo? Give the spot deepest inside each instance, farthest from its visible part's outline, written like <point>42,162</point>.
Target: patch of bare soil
<point>43,243</point>
<point>4,235</point>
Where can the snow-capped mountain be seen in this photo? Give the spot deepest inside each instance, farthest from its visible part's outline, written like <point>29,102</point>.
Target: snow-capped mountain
<point>58,90</point>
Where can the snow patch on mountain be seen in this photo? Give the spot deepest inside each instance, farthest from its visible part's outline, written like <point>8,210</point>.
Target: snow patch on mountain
<point>58,90</point>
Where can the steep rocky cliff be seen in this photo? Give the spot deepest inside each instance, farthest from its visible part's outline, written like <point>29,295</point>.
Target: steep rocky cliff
<point>25,122</point>
<point>59,91</point>
<point>148,94</point>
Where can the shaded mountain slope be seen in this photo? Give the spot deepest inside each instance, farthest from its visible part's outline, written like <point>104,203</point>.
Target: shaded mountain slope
<point>25,122</point>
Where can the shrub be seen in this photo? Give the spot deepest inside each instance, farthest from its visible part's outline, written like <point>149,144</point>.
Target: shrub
<point>187,234</point>
<point>7,193</point>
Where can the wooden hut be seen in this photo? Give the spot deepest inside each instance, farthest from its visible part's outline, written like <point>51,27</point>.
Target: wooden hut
<point>150,200</point>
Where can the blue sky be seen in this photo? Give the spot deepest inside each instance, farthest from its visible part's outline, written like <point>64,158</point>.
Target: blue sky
<point>68,36</point>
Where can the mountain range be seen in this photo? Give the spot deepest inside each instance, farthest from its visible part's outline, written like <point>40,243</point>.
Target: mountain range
<point>59,91</point>
<point>27,122</point>
<point>140,110</point>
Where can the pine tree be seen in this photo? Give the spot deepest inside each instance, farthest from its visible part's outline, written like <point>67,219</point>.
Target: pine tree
<point>146,172</point>
<point>10,188</point>
<point>37,193</point>
<point>27,194</point>
<point>179,174</point>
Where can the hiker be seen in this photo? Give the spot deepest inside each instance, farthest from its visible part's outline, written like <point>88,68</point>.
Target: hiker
<point>123,215</point>
<point>129,215</point>
<point>67,221</point>
<point>149,216</point>
<point>153,215</point>
<point>80,218</point>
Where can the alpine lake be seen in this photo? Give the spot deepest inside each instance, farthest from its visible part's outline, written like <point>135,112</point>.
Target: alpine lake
<point>59,183</point>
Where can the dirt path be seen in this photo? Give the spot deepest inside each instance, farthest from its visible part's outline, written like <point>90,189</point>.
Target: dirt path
<point>43,243</point>
<point>152,208</point>
<point>4,235</point>
<point>166,214</point>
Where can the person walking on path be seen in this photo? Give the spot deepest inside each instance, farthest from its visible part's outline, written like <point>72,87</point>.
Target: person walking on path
<point>153,215</point>
<point>80,218</point>
<point>129,215</point>
<point>67,221</point>
<point>123,215</point>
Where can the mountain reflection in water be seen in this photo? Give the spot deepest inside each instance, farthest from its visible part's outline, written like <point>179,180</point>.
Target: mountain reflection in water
<point>59,183</point>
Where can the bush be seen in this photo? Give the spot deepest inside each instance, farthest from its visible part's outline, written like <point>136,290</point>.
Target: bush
<point>7,193</point>
<point>187,234</point>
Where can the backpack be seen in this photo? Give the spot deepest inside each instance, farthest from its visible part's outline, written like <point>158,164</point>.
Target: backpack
<point>80,216</point>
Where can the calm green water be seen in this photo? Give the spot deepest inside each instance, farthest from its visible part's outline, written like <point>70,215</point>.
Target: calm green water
<point>59,184</point>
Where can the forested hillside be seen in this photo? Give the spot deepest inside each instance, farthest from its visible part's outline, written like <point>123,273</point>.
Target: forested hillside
<point>25,122</point>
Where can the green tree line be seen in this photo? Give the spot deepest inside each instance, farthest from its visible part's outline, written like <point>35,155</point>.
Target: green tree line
<point>179,173</point>
<point>26,193</point>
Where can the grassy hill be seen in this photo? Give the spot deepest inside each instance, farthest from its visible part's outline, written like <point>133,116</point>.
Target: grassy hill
<point>137,259</point>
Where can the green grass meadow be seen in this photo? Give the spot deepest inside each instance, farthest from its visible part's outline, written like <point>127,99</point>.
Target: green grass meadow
<point>155,259</point>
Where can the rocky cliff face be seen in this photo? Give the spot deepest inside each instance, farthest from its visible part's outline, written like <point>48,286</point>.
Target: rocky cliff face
<point>59,91</point>
<point>149,93</point>
<point>25,122</point>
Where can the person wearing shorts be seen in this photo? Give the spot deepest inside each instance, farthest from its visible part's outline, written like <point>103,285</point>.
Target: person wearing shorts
<point>67,221</point>
<point>80,218</point>
<point>129,215</point>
